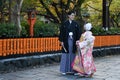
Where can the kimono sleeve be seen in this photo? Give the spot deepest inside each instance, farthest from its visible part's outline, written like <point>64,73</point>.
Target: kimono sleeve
<point>88,41</point>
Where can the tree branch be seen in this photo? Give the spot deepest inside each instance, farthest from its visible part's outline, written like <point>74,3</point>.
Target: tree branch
<point>94,8</point>
<point>49,12</point>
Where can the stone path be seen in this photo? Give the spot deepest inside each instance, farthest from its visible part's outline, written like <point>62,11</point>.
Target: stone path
<point>108,68</point>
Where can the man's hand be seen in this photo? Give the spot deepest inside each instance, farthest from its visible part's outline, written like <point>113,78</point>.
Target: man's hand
<point>62,44</point>
<point>77,43</point>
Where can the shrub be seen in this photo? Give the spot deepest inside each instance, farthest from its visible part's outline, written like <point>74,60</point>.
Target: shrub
<point>8,30</point>
<point>41,29</point>
<point>25,29</point>
<point>101,31</point>
<point>45,29</point>
<point>114,30</point>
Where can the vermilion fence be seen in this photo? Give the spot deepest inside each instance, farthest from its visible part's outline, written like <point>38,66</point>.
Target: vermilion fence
<point>32,45</point>
<point>28,45</point>
<point>111,40</point>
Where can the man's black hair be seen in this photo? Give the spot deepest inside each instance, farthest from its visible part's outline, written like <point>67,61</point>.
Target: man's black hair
<point>70,12</point>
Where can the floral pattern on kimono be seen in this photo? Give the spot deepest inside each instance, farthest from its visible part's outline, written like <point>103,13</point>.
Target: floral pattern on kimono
<point>85,59</point>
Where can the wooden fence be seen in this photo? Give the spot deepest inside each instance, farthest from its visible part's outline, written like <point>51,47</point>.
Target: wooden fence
<point>111,40</point>
<point>32,45</point>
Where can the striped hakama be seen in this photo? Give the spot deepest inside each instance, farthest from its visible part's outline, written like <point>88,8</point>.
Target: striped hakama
<point>67,59</point>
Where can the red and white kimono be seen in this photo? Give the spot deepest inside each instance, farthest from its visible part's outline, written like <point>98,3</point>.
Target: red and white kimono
<point>84,63</point>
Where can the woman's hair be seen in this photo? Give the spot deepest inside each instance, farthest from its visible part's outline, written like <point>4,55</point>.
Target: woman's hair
<point>88,26</point>
<point>70,12</point>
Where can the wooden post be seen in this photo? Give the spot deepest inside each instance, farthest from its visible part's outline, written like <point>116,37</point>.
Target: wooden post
<point>31,21</point>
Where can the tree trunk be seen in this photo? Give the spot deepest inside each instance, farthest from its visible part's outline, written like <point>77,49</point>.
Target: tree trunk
<point>77,8</point>
<point>17,9</point>
<point>105,14</point>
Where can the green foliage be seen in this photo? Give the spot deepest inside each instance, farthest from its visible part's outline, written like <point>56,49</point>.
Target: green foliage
<point>40,29</point>
<point>114,30</point>
<point>25,29</point>
<point>8,30</point>
<point>100,31</point>
<point>24,32</point>
<point>45,29</point>
<point>29,4</point>
<point>94,8</point>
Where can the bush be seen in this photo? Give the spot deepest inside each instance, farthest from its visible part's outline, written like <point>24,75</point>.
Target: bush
<point>24,32</point>
<point>45,29</point>
<point>41,29</point>
<point>101,31</point>
<point>114,30</point>
<point>98,31</point>
<point>8,30</point>
<point>25,29</point>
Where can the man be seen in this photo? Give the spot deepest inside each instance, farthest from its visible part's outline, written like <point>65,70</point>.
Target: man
<point>69,33</point>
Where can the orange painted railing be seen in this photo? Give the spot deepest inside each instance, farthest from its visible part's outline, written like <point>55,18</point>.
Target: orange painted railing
<point>32,45</point>
<point>111,40</point>
<point>28,45</point>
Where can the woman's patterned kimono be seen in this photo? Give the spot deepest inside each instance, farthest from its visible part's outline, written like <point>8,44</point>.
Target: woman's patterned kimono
<point>83,62</point>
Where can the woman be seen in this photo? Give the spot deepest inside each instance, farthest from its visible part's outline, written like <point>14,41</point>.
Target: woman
<point>83,62</point>
<point>69,34</point>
